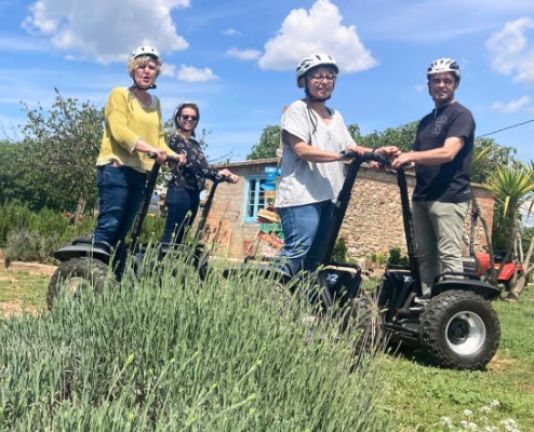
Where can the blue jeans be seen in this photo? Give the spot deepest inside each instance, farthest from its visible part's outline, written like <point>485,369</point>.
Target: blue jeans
<point>120,192</point>
<point>305,228</point>
<point>179,201</point>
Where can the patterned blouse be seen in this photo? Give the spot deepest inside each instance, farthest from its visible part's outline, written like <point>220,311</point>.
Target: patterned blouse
<point>193,174</point>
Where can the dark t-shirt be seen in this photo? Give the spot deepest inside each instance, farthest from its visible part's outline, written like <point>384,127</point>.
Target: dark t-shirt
<point>448,182</point>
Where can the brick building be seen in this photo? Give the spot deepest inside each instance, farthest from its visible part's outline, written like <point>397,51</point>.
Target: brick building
<point>373,224</point>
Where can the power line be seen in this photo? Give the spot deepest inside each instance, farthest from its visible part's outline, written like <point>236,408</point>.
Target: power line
<point>506,128</point>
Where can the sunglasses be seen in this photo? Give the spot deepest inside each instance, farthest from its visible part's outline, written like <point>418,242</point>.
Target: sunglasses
<point>188,117</point>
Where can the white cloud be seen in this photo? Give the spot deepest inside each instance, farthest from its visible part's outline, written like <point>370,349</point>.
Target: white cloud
<point>245,55</point>
<point>168,70</point>
<point>513,51</point>
<point>511,106</point>
<point>317,30</point>
<point>231,32</point>
<point>106,30</point>
<point>193,74</point>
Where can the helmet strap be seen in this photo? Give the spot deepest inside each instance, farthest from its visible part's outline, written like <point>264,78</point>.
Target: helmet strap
<point>312,98</point>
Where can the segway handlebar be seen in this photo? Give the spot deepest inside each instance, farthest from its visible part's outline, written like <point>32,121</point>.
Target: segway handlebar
<point>154,156</point>
<point>368,156</point>
<point>219,178</point>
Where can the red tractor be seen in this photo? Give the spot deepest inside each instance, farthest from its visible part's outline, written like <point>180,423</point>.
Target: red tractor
<point>505,270</point>
<point>480,262</point>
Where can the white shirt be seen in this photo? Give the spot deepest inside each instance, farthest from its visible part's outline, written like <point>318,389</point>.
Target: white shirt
<point>305,182</point>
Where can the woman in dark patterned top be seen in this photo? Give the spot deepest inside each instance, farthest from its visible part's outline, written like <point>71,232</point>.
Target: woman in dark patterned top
<point>187,181</point>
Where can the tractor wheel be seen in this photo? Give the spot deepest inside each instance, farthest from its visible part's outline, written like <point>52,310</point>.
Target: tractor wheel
<point>75,275</point>
<point>460,330</point>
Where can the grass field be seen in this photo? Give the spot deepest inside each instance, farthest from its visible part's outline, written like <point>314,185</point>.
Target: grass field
<point>419,396</point>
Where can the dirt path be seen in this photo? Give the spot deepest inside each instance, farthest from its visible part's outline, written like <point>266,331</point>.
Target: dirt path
<point>9,275</point>
<point>31,267</point>
<point>12,308</point>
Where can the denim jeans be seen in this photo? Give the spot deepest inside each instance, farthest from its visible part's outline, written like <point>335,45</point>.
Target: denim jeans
<point>305,228</point>
<point>120,192</point>
<point>179,201</point>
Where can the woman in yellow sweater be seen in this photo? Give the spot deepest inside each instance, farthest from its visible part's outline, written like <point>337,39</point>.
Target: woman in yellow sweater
<point>132,129</point>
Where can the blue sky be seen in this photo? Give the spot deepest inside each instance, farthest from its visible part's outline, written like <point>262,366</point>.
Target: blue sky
<point>236,59</point>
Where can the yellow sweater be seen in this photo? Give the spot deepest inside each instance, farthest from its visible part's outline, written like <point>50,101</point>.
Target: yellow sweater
<point>126,122</point>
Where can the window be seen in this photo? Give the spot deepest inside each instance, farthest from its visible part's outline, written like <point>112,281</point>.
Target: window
<point>254,198</point>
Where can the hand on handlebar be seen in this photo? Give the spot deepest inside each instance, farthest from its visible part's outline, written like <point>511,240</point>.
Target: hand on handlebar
<point>179,158</point>
<point>402,160</point>
<point>161,156</point>
<point>229,176</point>
<point>158,155</point>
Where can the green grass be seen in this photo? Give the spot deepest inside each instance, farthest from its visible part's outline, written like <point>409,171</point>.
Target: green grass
<point>416,395</point>
<point>24,287</point>
<point>419,395</point>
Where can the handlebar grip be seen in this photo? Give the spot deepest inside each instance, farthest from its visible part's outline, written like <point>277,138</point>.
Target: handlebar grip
<point>374,156</point>
<point>151,155</point>
<point>347,155</point>
<point>367,156</point>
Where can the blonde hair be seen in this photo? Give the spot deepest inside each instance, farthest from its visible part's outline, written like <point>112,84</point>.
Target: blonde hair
<point>141,61</point>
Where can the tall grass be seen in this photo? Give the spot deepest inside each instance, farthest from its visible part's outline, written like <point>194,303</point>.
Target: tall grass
<point>167,352</point>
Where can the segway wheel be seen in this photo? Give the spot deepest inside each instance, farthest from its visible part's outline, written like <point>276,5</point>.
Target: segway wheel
<point>75,275</point>
<point>365,318</point>
<point>460,330</point>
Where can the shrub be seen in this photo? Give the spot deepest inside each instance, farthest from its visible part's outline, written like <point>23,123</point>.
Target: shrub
<point>33,236</point>
<point>13,217</point>
<point>339,253</point>
<point>395,257</point>
<point>23,245</point>
<point>378,258</point>
<point>168,353</point>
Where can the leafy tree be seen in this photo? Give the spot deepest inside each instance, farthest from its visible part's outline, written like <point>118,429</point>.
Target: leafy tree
<point>401,136</point>
<point>494,156</point>
<point>12,160</point>
<point>269,143</point>
<point>62,148</point>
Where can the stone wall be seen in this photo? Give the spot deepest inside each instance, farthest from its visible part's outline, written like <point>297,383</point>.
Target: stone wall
<point>373,223</point>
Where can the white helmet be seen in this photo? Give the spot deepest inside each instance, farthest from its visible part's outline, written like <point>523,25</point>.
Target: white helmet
<point>145,50</point>
<point>313,61</point>
<point>444,65</point>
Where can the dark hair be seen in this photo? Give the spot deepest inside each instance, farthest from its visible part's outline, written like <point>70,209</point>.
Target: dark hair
<point>180,108</point>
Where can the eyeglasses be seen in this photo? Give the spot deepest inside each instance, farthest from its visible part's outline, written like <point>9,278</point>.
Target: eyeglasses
<point>189,117</point>
<point>321,77</point>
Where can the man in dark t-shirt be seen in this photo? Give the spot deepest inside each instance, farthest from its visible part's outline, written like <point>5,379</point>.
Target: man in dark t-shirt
<point>442,156</point>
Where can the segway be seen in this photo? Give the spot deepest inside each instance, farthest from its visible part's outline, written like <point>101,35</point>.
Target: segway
<point>456,325</point>
<point>196,248</point>
<point>85,264</point>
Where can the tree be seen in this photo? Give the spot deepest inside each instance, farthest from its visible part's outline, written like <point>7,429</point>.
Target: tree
<point>269,143</point>
<point>512,186</point>
<point>401,136</point>
<point>12,160</point>
<point>495,156</point>
<point>62,149</point>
